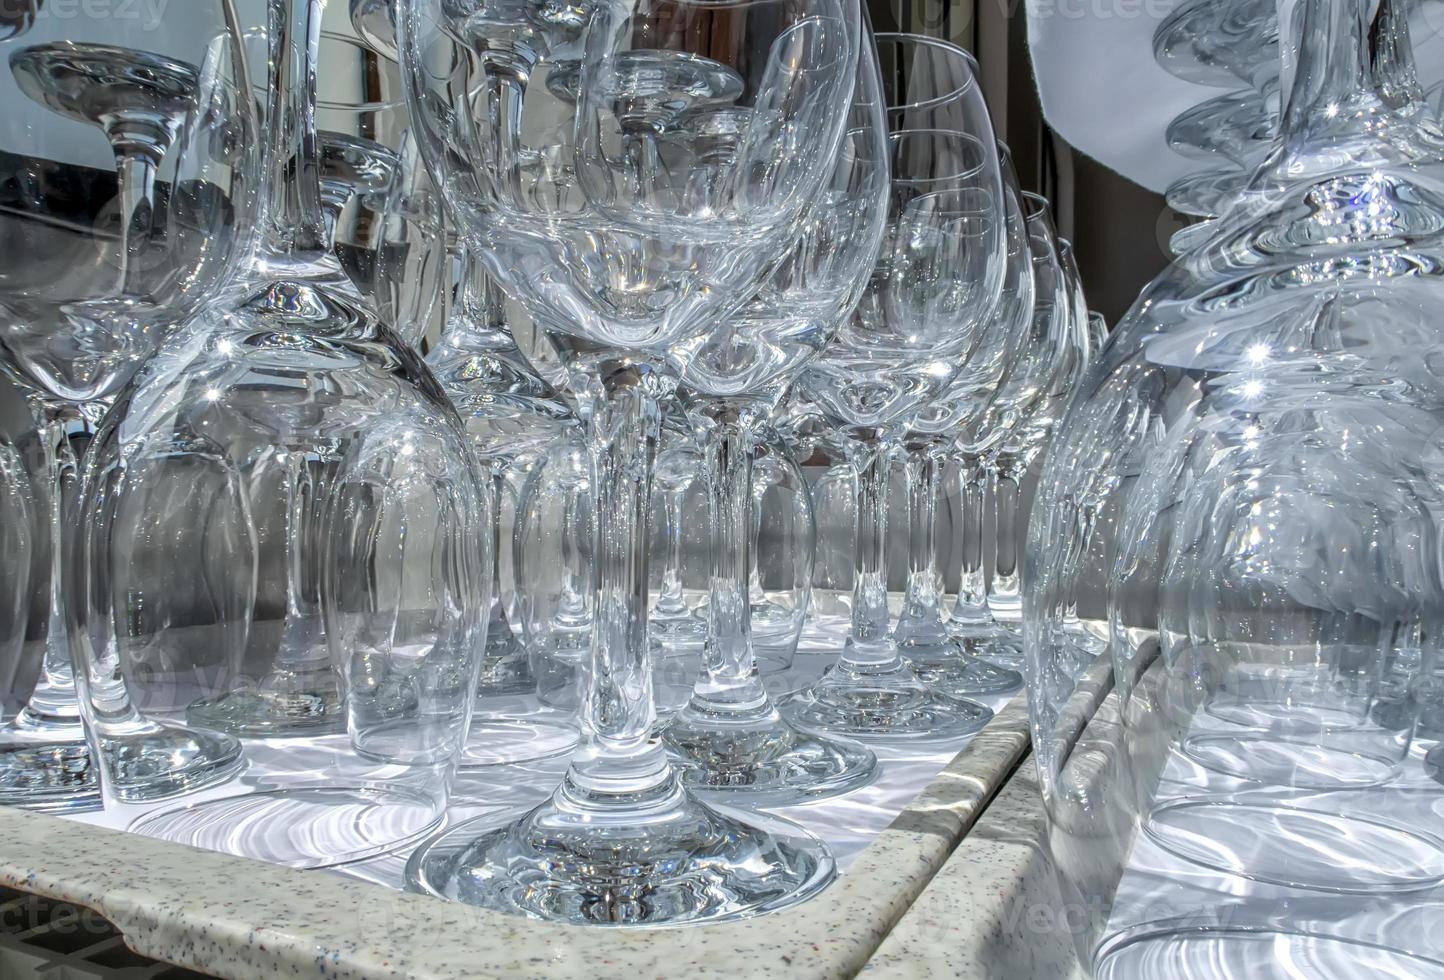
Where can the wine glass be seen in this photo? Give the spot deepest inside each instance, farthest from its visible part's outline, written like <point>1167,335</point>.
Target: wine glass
<point>730,738</point>
<point>382,213</point>
<point>1025,434</point>
<point>131,160</point>
<point>17,17</point>
<point>511,415</point>
<point>283,548</point>
<point>923,635</point>
<point>924,314</point>
<point>17,534</point>
<point>629,240</point>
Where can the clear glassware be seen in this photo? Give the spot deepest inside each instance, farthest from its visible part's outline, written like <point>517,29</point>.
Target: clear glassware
<point>730,737</point>
<point>131,172</point>
<point>511,416</point>
<point>18,527</point>
<point>1030,378</point>
<point>383,215</point>
<point>18,17</point>
<point>784,556</point>
<point>675,618</point>
<point>832,488</point>
<point>630,241</point>
<point>283,559</point>
<point>929,642</point>
<point>1219,44</point>
<point>1058,300</point>
<point>925,312</point>
<point>1256,452</point>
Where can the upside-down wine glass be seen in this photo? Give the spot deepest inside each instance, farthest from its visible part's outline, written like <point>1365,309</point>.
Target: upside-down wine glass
<point>511,416</point>
<point>630,240</point>
<point>107,252</point>
<point>730,737</point>
<point>1234,788</point>
<point>282,559</point>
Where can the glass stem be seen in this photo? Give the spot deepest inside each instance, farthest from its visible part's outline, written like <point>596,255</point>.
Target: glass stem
<point>730,679</point>
<point>135,174</point>
<point>1005,599</point>
<point>53,701</point>
<point>671,602</point>
<point>572,611</point>
<point>295,224</point>
<point>921,604</point>
<point>972,604</point>
<point>617,761</point>
<point>869,646</point>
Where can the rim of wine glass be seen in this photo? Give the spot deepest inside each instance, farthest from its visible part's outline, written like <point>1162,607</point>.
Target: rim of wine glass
<point>957,134</point>
<point>1036,206</point>
<point>923,41</point>
<point>333,105</point>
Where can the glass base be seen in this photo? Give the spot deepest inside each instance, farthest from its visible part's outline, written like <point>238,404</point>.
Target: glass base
<point>283,713</point>
<point>51,777</point>
<point>1187,948</point>
<point>1299,848</point>
<point>506,669</point>
<point>678,862</point>
<point>1262,757</point>
<point>507,741</point>
<point>301,828</point>
<point>681,628</point>
<point>169,761</point>
<point>882,701</point>
<point>956,674</point>
<point>990,642</point>
<point>762,760</point>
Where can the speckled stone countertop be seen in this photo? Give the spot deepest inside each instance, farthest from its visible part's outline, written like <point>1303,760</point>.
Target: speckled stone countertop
<point>241,919</point>
<point>992,911</point>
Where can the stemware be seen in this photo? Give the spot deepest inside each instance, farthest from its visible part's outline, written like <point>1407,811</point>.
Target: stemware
<point>923,315</point>
<point>383,215</point>
<point>282,557</point>
<point>730,736</point>
<point>922,634</point>
<point>511,415</point>
<point>18,17</point>
<point>1058,301</point>
<point>1259,446</point>
<point>106,252</point>
<point>17,532</point>
<point>629,239</point>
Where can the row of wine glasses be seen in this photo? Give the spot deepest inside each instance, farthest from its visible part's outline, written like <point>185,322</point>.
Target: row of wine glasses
<point>1247,780</point>
<point>582,270</point>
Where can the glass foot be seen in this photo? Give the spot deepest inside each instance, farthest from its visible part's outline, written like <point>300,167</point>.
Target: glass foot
<point>1298,847</point>
<point>676,862</point>
<point>882,703</point>
<point>990,642</point>
<point>49,777</point>
<point>957,674</point>
<point>313,828</point>
<point>680,628</point>
<point>764,760</point>
<point>1262,757</point>
<point>271,714</point>
<point>1187,948</point>
<point>168,761</point>
<point>507,741</point>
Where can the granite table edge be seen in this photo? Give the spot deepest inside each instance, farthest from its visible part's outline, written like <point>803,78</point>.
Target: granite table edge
<point>237,918</point>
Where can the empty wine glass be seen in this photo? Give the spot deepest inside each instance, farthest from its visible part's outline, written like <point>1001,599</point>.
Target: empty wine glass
<point>730,736</point>
<point>131,168</point>
<point>1025,434</point>
<point>18,527</point>
<point>629,241</point>
<point>927,304</point>
<point>511,415</point>
<point>283,549</point>
<point>923,635</point>
<point>383,215</point>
